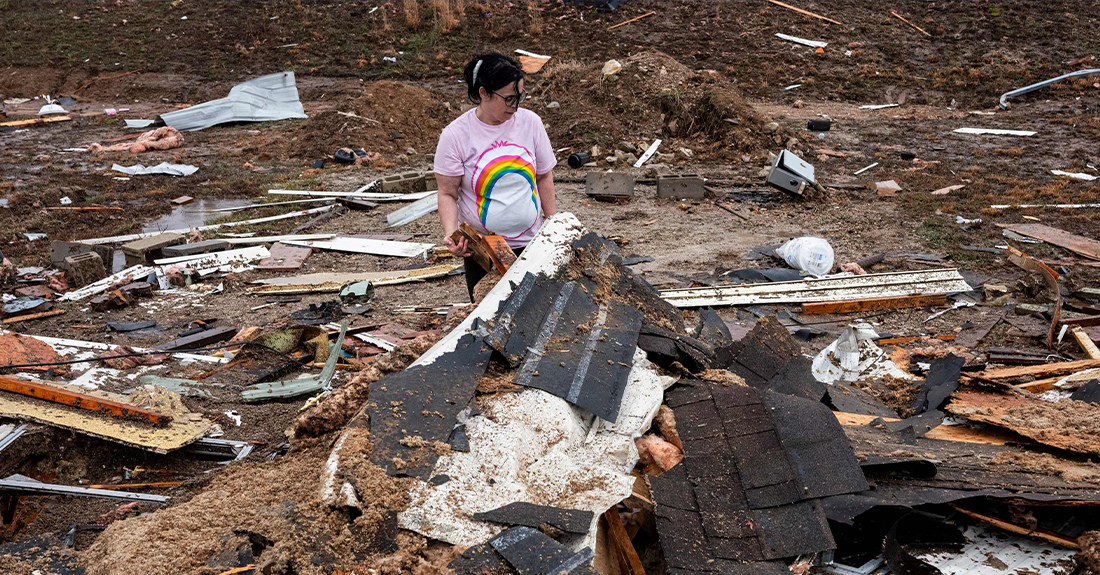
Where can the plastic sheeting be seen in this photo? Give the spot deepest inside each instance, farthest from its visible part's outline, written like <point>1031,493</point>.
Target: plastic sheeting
<point>263,99</point>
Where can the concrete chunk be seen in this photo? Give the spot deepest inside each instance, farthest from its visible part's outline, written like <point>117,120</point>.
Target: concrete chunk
<point>680,186</point>
<point>406,183</point>
<point>616,184</point>
<point>85,268</point>
<point>147,249</point>
<point>62,250</point>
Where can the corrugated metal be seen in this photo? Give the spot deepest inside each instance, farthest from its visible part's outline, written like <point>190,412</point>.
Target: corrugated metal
<point>824,289</point>
<point>263,99</point>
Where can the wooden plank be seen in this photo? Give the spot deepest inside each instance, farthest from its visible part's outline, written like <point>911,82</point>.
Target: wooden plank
<point>285,258</point>
<point>489,252</point>
<point>1080,245</point>
<point>1050,369</point>
<point>1087,321</point>
<point>40,315</point>
<point>874,303</point>
<point>204,337</point>
<point>890,340</point>
<point>622,546</point>
<point>1045,422</point>
<point>33,121</point>
<point>801,11</point>
<point>1050,536</point>
<point>63,396</point>
<point>1085,342</point>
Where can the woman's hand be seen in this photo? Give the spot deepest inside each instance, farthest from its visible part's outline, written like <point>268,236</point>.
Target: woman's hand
<point>459,249</point>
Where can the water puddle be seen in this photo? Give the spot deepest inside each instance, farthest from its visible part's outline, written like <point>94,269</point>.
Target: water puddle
<point>193,215</point>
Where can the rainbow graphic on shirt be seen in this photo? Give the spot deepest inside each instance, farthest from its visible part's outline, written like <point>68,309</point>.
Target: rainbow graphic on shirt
<point>503,175</point>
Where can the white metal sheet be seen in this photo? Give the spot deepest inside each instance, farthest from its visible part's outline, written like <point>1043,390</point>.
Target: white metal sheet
<point>366,246</point>
<point>822,289</point>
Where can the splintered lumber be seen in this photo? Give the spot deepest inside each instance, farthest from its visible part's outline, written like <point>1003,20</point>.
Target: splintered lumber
<point>59,395</point>
<point>1051,277</point>
<point>1066,425</point>
<point>1080,245</point>
<point>33,121</point>
<point>1050,536</point>
<point>874,303</point>
<point>801,11</point>
<point>490,252</point>
<point>1086,343</point>
<point>622,546</point>
<point>919,29</point>
<point>822,289</point>
<point>1047,370</point>
<point>331,282</point>
<point>39,315</point>
<point>1086,321</point>
<point>962,434</point>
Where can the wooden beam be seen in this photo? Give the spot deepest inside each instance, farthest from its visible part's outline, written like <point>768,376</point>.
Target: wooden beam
<point>801,11</point>
<point>1080,245</point>
<point>1085,342</point>
<point>1050,369</point>
<point>33,121</point>
<point>63,396</point>
<point>622,546</point>
<point>1055,538</point>
<point>40,315</point>
<point>874,304</point>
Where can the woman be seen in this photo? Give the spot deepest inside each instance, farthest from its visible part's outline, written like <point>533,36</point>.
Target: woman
<point>494,164</point>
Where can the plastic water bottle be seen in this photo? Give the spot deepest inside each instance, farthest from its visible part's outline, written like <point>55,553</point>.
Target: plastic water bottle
<point>813,255</point>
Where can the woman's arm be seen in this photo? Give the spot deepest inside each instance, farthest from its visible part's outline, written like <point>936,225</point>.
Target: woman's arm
<point>448,212</point>
<point>545,185</point>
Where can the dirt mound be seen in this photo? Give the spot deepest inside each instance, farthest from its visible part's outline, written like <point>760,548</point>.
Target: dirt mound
<point>652,96</point>
<point>389,117</point>
<point>269,514</point>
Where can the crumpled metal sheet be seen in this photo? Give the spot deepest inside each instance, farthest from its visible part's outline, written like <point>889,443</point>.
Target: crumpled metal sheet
<point>263,99</point>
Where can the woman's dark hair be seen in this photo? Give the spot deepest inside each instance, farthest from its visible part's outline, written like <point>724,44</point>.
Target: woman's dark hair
<point>494,71</point>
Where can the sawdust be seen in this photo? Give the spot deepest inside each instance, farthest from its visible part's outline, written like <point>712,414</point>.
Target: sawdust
<point>897,393</point>
<point>1046,464</point>
<point>334,411</point>
<point>1066,417</point>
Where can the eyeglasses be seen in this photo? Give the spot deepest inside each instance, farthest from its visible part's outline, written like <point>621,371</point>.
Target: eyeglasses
<point>512,101</point>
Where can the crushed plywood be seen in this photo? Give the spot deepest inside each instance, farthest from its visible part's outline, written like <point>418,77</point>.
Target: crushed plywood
<point>1071,425</point>
<point>184,428</point>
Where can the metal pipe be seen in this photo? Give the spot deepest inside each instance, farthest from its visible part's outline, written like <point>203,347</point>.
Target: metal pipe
<point>1044,83</point>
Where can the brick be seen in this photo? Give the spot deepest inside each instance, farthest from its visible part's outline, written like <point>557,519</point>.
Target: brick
<point>616,184</point>
<point>406,183</point>
<point>147,249</point>
<point>195,248</point>
<point>680,186</point>
<point>62,250</point>
<point>85,268</point>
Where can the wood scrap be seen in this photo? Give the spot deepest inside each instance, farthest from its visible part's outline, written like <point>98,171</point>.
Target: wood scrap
<point>116,76</point>
<point>1080,245</point>
<point>51,313</point>
<point>960,433</point>
<point>919,29</point>
<point>1086,343</point>
<point>621,545</point>
<point>55,394</point>
<point>1070,425</point>
<point>490,251</point>
<point>1051,277</point>
<point>1050,369</point>
<point>650,13</point>
<point>806,12</point>
<point>85,208</point>
<point>1052,537</point>
<point>874,303</point>
<point>33,121</point>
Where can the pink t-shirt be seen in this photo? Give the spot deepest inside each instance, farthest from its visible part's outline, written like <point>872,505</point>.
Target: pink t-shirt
<point>498,165</point>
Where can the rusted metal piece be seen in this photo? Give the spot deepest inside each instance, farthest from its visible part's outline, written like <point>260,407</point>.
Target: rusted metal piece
<point>83,401</point>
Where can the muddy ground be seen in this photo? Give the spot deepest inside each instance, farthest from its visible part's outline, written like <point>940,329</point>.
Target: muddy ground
<point>716,62</point>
